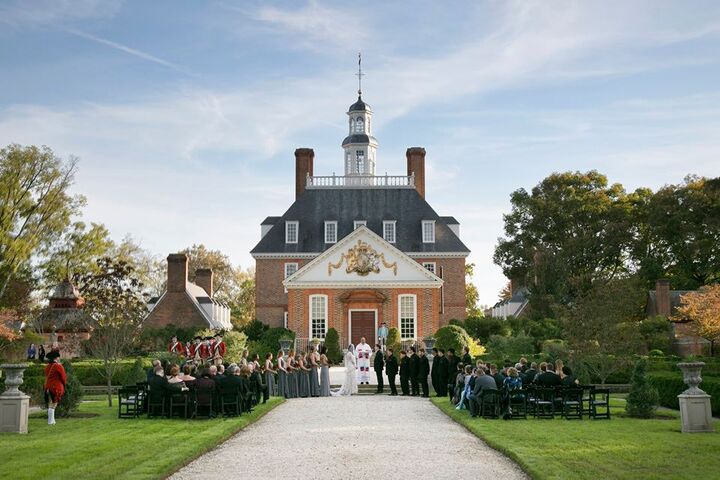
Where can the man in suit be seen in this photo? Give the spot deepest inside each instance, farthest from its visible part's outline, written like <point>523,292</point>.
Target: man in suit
<point>499,379</point>
<point>529,375</point>
<point>378,365</point>
<point>482,382</point>
<point>466,358</point>
<point>414,372</point>
<point>423,373</point>
<point>391,369</point>
<point>452,371</point>
<point>257,386</point>
<point>404,373</point>
<point>232,381</point>
<point>548,378</point>
<point>206,392</point>
<point>438,374</point>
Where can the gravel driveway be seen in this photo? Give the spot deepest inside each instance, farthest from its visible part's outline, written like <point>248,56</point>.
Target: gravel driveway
<point>374,436</point>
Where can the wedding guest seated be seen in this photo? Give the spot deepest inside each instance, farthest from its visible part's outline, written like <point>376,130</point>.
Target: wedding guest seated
<point>151,370</point>
<point>499,378</point>
<point>483,381</point>
<point>464,387</point>
<point>569,379</point>
<point>523,365</point>
<point>206,391</point>
<point>257,386</point>
<point>458,383</point>
<point>160,389</point>
<point>559,367</point>
<point>175,376</point>
<point>187,373</point>
<point>548,378</point>
<point>529,375</point>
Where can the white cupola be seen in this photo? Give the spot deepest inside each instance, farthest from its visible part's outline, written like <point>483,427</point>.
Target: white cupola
<point>359,147</point>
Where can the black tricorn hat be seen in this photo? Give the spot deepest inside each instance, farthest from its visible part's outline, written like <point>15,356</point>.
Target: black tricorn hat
<point>50,357</point>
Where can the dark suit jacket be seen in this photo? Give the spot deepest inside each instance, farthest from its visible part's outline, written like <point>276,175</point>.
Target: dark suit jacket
<point>483,382</point>
<point>391,365</point>
<point>159,385</point>
<point>467,359</point>
<point>424,367</point>
<point>414,366</point>
<point>379,362</point>
<point>548,379</point>
<point>405,367</point>
<point>499,379</point>
<point>529,376</point>
<point>452,363</point>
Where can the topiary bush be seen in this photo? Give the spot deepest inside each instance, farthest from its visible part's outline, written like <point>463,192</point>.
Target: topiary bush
<point>393,340</point>
<point>481,328</point>
<point>670,384</point>
<point>511,347</point>
<point>643,399</point>
<point>454,336</point>
<point>73,392</point>
<point>332,342</point>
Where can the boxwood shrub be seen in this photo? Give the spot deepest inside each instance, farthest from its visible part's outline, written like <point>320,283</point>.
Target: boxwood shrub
<point>669,385</point>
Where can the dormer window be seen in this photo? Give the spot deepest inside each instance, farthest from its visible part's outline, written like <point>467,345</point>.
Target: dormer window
<point>291,231</point>
<point>359,223</point>
<point>359,161</point>
<point>389,231</point>
<point>330,232</point>
<point>428,231</point>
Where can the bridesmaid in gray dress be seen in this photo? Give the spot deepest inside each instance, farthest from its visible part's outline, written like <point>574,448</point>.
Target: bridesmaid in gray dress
<point>303,373</point>
<point>313,358</point>
<point>270,375</point>
<point>282,375</point>
<point>292,375</point>
<point>324,373</point>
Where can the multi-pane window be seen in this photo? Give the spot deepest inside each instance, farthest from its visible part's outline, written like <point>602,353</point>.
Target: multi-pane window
<point>389,231</point>
<point>291,231</point>
<point>360,161</point>
<point>359,125</point>
<point>290,268</point>
<point>318,316</point>
<point>330,232</point>
<point>428,231</point>
<point>359,223</point>
<point>407,314</point>
<point>430,266</point>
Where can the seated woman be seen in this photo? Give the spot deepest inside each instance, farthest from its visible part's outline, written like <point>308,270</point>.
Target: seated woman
<point>569,379</point>
<point>465,387</point>
<point>510,383</point>
<point>187,373</point>
<point>174,375</point>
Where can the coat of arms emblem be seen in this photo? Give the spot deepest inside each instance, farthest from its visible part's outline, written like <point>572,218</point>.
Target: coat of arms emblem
<point>363,260</point>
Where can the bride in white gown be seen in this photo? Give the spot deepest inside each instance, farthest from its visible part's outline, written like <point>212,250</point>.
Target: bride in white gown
<point>349,385</point>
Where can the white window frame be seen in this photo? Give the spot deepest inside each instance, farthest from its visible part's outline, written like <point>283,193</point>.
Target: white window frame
<point>387,223</point>
<point>295,264</point>
<point>400,316</point>
<point>327,238</point>
<point>429,264</point>
<point>430,238</point>
<point>288,224</point>
<point>312,318</point>
<point>285,320</point>
<point>360,161</point>
<point>359,223</point>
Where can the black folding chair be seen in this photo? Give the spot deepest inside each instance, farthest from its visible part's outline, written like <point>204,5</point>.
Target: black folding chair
<point>517,403</point>
<point>600,403</point>
<point>128,402</point>
<point>230,403</point>
<point>203,402</point>
<point>544,403</point>
<point>490,403</point>
<point>142,396</point>
<point>155,403</point>
<point>587,391</point>
<point>572,405</point>
<point>179,404</point>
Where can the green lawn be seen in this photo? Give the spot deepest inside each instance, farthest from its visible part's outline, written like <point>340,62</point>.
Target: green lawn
<point>108,447</point>
<point>621,448</point>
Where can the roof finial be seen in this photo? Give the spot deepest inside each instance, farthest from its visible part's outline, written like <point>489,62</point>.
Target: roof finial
<point>359,74</point>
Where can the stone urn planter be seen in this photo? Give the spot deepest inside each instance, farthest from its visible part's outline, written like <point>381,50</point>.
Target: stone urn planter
<point>13,379</point>
<point>691,377</point>
<point>285,344</point>
<point>429,344</point>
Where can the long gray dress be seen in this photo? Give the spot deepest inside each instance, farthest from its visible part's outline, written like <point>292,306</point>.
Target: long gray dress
<point>324,377</point>
<point>314,381</point>
<point>304,382</point>
<point>282,379</point>
<point>270,379</point>
<point>293,380</point>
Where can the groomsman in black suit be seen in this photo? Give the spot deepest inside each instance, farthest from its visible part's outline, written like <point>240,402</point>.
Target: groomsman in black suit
<point>378,365</point>
<point>391,369</point>
<point>404,373</point>
<point>414,372</point>
<point>423,373</point>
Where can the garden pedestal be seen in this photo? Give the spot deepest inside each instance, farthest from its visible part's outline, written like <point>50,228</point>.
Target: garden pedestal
<point>14,404</point>
<point>695,413</point>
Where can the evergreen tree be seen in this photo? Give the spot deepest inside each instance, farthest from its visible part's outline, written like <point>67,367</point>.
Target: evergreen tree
<point>393,340</point>
<point>73,392</point>
<point>643,398</point>
<point>332,342</point>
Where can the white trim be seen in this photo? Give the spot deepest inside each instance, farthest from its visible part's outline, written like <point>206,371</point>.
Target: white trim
<point>334,223</point>
<point>415,319</point>
<point>285,268</point>
<point>434,266</point>
<point>359,223</point>
<point>350,321</point>
<point>310,314</point>
<point>394,229</point>
<point>311,255</point>
<point>285,319</point>
<point>437,254</point>
<point>335,285</point>
<point>288,256</point>
<point>297,230</point>
<point>430,223</point>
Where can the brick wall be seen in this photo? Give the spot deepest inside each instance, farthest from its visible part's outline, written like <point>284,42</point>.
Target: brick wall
<point>271,301</point>
<point>454,287</point>
<point>175,308</point>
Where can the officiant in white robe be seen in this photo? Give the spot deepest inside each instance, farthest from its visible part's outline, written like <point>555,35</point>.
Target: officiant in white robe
<point>363,351</point>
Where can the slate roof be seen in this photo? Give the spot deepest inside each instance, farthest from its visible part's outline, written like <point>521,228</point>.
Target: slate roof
<point>358,138</point>
<point>359,106</point>
<point>450,220</point>
<point>404,205</point>
<point>270,220</point>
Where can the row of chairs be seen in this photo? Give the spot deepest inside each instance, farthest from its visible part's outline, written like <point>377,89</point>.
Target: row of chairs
<point>135,400</point>
<point>547,402</point>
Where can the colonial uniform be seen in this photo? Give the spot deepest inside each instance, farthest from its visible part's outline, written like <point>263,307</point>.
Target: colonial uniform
<point>177,348</point>
<point>55,380</point>
<point>218,352</point>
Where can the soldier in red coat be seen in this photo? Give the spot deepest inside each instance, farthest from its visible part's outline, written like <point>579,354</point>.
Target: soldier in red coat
<point>205,351</point>
<point>176,347</point>
<point>218,350</point>
<point>55,380</point>
<point>194,350</point>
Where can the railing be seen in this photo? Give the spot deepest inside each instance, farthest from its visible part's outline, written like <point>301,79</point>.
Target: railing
<point>351,181</point>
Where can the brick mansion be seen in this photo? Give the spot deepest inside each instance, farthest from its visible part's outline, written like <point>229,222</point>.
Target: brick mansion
<point>357,250</point>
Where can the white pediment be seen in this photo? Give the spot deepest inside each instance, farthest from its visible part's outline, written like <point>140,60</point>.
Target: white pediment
<point>363,260</point>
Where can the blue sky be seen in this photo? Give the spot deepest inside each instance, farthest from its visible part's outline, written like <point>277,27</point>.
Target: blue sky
<point>185,115</point>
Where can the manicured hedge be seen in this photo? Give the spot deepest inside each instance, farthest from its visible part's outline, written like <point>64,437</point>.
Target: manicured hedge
<point>670,385</point>
<point>90,372</point>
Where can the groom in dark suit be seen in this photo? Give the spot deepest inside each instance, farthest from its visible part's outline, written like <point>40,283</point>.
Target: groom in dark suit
<point>391,368</point>
<point>378,365</point>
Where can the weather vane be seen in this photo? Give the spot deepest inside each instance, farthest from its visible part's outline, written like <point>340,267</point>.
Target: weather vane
<point>359,74</point>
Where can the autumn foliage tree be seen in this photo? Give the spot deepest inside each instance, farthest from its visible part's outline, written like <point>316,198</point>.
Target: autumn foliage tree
<point>703,308</point>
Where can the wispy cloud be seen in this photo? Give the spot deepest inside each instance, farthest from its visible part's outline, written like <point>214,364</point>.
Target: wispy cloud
<point>20,14</point>
<point>124,48</point>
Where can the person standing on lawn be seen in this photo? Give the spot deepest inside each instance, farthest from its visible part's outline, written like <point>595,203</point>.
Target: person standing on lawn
<point>391,369</point>
<point>378,365</point>
<point>424,373</point>
<point>404,373</point>
<point>55,380</point>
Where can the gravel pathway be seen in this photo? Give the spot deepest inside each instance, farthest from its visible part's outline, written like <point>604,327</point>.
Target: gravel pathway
<point>328,438</point>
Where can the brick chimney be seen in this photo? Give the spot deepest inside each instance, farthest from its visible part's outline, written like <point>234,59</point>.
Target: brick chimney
<point>177,272</point>
<point>416,164</point>
<point>662,297</point>
<point>204,279</point>
<point>303,167</point>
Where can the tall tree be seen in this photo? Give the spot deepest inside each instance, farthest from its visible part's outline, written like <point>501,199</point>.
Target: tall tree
<point>703,308</point>
<point>35,204</point>
<point>569,231</point>
<point>115,305</point>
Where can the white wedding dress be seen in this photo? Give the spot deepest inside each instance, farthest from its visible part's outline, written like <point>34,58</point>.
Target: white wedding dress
<point>349,386</point>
